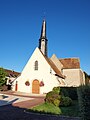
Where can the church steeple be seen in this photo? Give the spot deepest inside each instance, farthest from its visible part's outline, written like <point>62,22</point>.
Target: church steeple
<point>43,31</point>
<point>43,39</point>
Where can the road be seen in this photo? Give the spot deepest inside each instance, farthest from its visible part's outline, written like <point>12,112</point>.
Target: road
<point>9,112</point>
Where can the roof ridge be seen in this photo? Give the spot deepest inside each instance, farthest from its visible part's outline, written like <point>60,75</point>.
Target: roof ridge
<point>69,58</point>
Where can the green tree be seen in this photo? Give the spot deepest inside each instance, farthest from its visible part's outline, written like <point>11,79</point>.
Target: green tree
<point>2,77</point>
<point>87,78</point>
<point>84,101</point>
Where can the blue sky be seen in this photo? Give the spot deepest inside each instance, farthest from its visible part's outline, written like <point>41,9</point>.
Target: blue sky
<point>68,30</point>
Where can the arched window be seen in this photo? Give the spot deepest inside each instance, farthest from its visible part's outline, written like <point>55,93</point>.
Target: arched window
<point>36,65</point>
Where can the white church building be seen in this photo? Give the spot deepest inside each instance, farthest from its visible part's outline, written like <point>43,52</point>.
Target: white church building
<point>41,73</point>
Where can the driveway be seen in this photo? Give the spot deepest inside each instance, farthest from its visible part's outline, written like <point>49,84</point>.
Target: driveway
<point>9,112</point>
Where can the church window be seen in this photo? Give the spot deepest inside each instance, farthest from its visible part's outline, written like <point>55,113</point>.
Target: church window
<point>36,65</point>
<point>50,70</point>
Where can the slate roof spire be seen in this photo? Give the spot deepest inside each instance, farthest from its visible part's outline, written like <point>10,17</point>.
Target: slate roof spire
<point>43,31</point>
<point>43,39</point>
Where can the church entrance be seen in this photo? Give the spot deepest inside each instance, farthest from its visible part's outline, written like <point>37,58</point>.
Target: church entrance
<point>35,87</point>
<point>16,86</point>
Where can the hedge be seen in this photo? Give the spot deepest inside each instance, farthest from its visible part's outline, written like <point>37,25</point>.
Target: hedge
<point>84,101</point>
<point>69,92</point>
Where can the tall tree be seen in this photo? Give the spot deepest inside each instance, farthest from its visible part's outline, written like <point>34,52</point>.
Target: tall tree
<point>2,77</point>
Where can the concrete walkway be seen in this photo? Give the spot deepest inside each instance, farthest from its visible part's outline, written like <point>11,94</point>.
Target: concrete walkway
<point>22,100</point>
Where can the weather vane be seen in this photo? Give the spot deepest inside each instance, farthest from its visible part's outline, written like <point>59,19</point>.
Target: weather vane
<point>44,15</point>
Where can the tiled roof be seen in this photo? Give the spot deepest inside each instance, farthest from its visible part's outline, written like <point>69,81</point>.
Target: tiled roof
<point>53,66</point>
<point>11,73</point>
<point>70,63</point>
<point>57,71</point>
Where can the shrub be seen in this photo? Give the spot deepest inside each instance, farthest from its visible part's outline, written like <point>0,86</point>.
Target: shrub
<point>56,90</point>
<point>65,101</point>
<point>84,101</point>
<point>58,98</point>
<point>2,77</point>
<point>64,91</point>
<point>53,98</point>
<point>56,102</point>
<point>70,92</point>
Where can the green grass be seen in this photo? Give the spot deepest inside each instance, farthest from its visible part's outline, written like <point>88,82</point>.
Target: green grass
<point>47,108</point>
<point>51,109</point>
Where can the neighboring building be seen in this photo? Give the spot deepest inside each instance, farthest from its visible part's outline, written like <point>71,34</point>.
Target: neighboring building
<point>11,76</point>
<point>41,73</point>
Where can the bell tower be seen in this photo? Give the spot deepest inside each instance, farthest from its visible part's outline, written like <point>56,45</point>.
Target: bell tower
<point>43,39</point>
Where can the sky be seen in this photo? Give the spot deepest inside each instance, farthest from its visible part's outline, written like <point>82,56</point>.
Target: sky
<point>68,30</point>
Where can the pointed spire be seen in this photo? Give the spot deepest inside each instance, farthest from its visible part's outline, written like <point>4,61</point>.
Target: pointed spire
<point>43,39</point>
<point>43,31</point>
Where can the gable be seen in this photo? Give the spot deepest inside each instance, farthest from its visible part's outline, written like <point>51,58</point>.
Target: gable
<point>43,63</point>
<point>56,62</point>
<point>53,66</point>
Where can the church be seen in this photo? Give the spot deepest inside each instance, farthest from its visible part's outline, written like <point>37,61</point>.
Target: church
<point>42,73</point>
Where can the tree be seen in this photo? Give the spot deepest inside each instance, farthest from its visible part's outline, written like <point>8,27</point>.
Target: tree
<point>87,78</point>
<point>2,77</point>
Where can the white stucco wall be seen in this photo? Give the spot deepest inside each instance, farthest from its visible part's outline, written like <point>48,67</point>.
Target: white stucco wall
<point>9,79</point>
<point>74,77</point>
<point>82,77</point>
<point>42,74</point>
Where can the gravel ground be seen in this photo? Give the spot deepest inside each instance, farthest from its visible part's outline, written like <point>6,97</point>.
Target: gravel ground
<point>9,112</point>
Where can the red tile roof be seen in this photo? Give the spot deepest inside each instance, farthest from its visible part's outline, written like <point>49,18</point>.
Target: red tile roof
<point>57,71</point>
<point>11,73</point>
<point>70,63</point>
<point>53,66</point>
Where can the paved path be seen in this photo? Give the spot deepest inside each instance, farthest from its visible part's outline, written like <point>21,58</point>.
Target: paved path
<point>29,103</point>
<point>9,112</point>
<point>21,100</point>
<point>10,99</point>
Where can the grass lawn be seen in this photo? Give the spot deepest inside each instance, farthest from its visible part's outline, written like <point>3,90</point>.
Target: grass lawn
<point>50,108</point>
<point>47,108</point>
<point>71,110</point>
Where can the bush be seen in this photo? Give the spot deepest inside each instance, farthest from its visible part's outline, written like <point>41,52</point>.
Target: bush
<point>64,91</point>
<point>65,101</point>
<point>53,97</point>
<point>84,101</point>
<point>56,99</point>
<point>56,102</point>
<point>56,90</point>
<point>69,92</point>
<point>2,77</point>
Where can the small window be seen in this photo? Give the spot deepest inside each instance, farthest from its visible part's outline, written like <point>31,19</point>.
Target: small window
<point>50,70</point>
<point>36,65</point>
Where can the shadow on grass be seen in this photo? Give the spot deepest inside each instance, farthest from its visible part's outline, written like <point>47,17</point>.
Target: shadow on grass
<point>71,110</point>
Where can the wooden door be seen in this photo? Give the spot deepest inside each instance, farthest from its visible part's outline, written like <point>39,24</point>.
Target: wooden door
<point>16,86</point>
<point>35,87</point>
